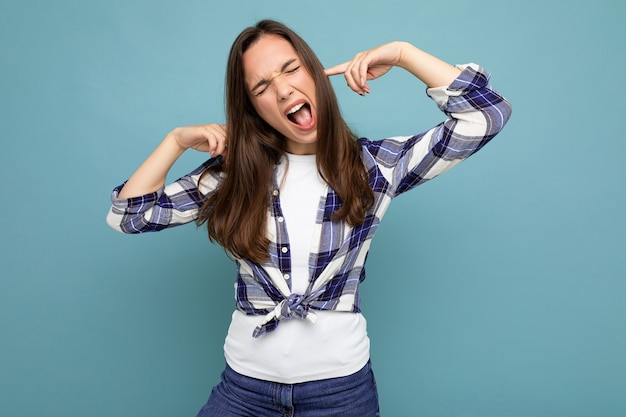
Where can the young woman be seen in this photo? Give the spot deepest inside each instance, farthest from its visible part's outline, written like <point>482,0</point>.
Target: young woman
<point>296,198</point>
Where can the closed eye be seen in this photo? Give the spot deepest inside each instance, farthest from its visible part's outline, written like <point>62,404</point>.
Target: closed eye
<point>263,90</point>
<point>262,86</point>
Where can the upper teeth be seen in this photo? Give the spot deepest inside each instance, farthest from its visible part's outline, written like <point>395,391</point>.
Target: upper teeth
<point>295,108</point>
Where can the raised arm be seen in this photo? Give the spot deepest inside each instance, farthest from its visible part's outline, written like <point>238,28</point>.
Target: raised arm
<point>475,113</point>
<point>151,174</point>
<point>371,64</point>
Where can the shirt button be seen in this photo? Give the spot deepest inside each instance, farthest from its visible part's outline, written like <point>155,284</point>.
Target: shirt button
<point>281,219</point>
<point>284,249</point>
<point>286,276</point>
<point>275,193</point>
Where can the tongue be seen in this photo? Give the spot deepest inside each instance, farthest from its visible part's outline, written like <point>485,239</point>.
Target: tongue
<point>303,116</point>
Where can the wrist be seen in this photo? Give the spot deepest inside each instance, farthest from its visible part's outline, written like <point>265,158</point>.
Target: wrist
<point>173,141</point>
<point>405,52</point>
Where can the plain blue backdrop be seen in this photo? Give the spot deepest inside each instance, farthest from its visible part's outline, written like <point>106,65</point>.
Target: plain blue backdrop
<point>498,289</point>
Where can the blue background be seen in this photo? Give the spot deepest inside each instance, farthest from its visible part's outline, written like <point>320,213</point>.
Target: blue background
<point>497,289</point>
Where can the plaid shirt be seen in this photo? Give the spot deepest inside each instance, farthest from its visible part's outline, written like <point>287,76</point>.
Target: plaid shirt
<point>476,113</point>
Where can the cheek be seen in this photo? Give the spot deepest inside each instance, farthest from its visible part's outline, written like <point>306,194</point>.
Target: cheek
<point>265,110</point>
<point>307,82</point>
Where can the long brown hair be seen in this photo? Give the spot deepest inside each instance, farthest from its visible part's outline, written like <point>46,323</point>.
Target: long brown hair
<point>236,213</point>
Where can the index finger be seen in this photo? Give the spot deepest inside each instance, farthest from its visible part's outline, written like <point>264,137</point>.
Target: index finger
<point>337,69</point>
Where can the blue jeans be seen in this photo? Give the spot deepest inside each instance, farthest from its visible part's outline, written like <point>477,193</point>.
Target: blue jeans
<point>241,396</point>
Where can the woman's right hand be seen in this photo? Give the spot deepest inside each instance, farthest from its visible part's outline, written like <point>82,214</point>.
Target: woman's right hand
<point>211,138</point>
<point>151,174</point>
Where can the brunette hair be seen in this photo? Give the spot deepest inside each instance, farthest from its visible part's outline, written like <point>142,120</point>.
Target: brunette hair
<point>236,213</point>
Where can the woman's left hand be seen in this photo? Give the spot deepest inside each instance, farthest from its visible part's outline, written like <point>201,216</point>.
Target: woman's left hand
<point>376,62</point>
<point>369,65</point>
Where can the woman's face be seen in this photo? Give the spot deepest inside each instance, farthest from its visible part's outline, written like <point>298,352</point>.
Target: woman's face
<point>282,91</point>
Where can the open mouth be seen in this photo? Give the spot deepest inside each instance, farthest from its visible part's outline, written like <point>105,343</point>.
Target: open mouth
<point>301,115</point>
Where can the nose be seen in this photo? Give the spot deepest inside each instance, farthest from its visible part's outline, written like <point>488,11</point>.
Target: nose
<point>283,88</point>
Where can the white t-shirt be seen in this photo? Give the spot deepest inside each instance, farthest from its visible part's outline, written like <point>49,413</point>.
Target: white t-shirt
<point>337,344</point>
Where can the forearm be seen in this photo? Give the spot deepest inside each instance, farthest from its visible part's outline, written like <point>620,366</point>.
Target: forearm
<point>151,174</point>
<point>374,63</point>
<point>429,69</point>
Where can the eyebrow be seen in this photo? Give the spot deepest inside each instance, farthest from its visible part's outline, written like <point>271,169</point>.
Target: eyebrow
<point>265,81</point>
